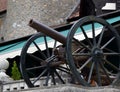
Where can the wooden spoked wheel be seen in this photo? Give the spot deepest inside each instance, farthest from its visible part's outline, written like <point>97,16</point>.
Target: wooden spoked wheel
<point>95,59</point>
<point>39,64</point>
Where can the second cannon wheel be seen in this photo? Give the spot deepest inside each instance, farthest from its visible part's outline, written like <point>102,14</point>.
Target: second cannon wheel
<point>39,64</point>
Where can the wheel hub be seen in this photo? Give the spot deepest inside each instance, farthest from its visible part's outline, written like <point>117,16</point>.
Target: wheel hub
<point>97,53</point>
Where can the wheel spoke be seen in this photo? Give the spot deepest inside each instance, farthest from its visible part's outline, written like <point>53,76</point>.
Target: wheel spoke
<point>50,58</point>
<point>98,73</point>
<point>108,43</point>
<point>47,79</point>
<point>39,50</point>
<point>81,54</point>
<point>105,72</point>
<point>93,34</point>
<point>63,70</point>
<point>82,44</point>
<point>46,44</point>
<point>40,75</point>
<point>54,47</point>
<point>53,78</point>
<point>111,54</point>
<point>35,58</point>
<point>110,64</point>
<point>79,50</point>
<point>86,37</point>
<point>35,67</point>
<point>85,64</point>
<point>109,50</point>
<point>55,44</point>
<point>91,71</point>
<point>59,77</point>
<point>101,36</point>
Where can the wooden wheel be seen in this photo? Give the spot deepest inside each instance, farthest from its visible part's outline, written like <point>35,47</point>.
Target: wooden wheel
<point>40,65</point>
<point>93,52</point>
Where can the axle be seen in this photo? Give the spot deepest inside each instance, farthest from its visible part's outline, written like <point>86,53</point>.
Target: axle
<point>47,31</point>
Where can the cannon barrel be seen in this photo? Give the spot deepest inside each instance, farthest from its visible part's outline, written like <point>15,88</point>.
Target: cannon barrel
<point>47,31</point>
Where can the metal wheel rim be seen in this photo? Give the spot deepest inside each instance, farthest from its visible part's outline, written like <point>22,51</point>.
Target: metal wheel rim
<point>23,66</point>
<point>70,38</point>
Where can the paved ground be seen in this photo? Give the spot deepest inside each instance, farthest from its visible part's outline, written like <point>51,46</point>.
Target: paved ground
<point>73,88</point>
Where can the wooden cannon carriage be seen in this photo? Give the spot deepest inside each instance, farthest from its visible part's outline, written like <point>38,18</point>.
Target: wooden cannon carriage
<point>84,55</point>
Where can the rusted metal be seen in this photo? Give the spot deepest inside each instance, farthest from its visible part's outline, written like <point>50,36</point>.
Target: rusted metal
<point>47,31</point>
<point>84,57</point>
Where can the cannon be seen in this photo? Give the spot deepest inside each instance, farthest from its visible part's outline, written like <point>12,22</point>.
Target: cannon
<point>83,57</point>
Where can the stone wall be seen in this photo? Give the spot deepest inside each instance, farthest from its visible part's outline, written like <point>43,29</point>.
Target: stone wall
<point>48,12</point>
<point>3,5</point>
<point>2,22</point>
<point>73,88</point>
